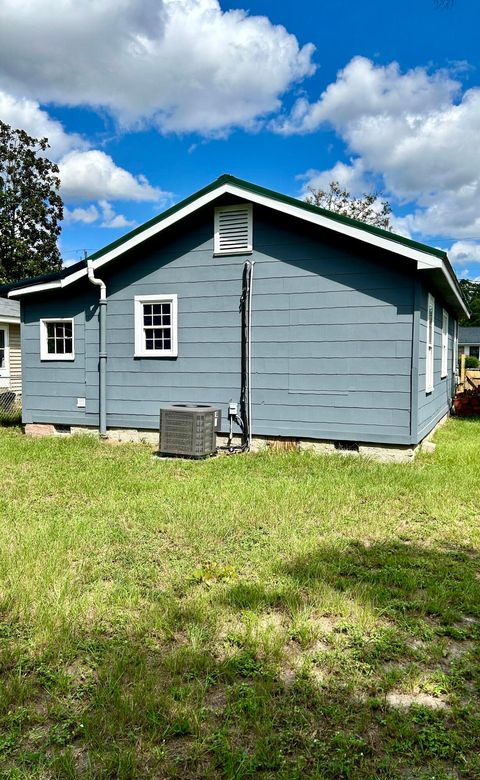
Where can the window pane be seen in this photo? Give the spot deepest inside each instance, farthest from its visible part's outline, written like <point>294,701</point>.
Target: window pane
<point>59,346</point>
<point>474,351</point>
<point>2,357</point>
<point>68,346</point>
<point>51,346</point>
<point>2,339</point>
<point>67,329</point>
<point>50,330</point>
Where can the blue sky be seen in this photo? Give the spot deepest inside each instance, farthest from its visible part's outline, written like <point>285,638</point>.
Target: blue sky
<point>146,101</point>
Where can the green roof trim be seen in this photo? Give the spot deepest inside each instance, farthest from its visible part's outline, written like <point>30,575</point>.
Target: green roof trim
<point>226,178</point>
<point>248,187</point>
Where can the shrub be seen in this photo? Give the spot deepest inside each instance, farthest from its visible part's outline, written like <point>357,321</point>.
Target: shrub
<point>471,361</point>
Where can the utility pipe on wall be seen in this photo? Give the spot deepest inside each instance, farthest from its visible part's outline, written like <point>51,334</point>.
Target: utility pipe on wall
<point>102,355</point>
<point>249,365</point>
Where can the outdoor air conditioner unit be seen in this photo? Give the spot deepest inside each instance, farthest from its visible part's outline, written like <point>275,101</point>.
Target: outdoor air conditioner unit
<point>189,430</point>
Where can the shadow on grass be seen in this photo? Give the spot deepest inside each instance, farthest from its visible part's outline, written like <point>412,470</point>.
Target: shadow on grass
<point>210,704</point>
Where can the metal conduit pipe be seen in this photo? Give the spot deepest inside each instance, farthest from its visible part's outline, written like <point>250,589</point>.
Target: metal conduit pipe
<point>102,355</point>
<point>249,363</point>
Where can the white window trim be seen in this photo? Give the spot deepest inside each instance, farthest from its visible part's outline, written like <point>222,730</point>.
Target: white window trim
<point>455,349</point>
<point>444,344</point>
<point>44,354</point>
<point>430,347</point>
<point>5,371</point>
<point>216,237</point>
<point>140,350</point>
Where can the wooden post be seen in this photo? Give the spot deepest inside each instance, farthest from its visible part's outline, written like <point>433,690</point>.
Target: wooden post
<point>462,372</point>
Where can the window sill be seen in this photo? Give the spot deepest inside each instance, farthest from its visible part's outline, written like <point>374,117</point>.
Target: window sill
<point>57,358</point>
<point>155,355</point>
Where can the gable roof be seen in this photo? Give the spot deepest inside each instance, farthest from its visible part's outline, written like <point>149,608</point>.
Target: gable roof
<point>469,335</point>
<point>9,310</point>
<point>427,258</point>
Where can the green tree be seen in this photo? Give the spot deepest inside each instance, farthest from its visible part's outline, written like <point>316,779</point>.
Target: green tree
<point>471,293</point>
<point>369,208</point>
<point>30,207</point>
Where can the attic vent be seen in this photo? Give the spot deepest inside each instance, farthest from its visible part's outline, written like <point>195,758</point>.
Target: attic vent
<point>233,230</point>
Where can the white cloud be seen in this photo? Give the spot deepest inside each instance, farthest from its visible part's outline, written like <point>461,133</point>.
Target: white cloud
<point>27,115</point>
<point>86,174</point>
<point>93,175</point>
<point>183,65</point>
<point>415,130</point>
<point>85,215</point>
<point>350,177</point>
<point>110,219</point>
<point>463,252</point>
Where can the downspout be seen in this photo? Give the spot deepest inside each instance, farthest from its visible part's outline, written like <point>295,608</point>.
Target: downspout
<point>102,355</point>
<point>249,369</point>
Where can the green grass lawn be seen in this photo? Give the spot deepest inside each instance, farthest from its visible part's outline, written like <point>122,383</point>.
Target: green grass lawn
<point>264,616</point>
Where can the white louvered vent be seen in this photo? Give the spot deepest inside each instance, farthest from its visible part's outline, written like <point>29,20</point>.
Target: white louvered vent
<point>233,230</point>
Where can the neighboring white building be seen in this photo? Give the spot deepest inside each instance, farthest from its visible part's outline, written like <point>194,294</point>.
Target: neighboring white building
<point>10,354</point>
<point>469,341</point>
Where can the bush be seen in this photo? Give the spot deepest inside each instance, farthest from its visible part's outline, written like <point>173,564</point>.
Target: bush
<point>471,362</point>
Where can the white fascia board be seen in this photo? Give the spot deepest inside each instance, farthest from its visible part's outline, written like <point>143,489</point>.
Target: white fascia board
<point>165,223</point>
<point>9,320</point>
<point>424,260</point>
<point>42,286</point>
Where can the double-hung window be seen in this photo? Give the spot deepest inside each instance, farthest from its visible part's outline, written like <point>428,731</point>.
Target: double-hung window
<point>3,352</point>
<point>444,344</point>
<point>57,339</point>
<point>429,367</point>
<point>156,326</point>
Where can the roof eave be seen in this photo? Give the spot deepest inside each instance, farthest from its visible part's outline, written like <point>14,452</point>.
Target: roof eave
<point>426,258</point>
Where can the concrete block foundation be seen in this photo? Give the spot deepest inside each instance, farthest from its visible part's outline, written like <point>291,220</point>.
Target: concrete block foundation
<point>385,453</point>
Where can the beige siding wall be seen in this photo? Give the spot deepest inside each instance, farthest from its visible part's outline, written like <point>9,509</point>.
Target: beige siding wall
<point>15,359</point>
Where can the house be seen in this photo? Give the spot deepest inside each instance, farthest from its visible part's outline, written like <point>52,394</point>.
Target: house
<point>322,328</point>
<point>10,356</point>
<point>469,341</point>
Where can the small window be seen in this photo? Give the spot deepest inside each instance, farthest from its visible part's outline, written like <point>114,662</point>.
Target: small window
<point>233,230</point>
<point>474,351</point>
<point>430,344</point>
<point>444,344</point>
<point>156,326</point>
<point>57,339</point>
<point>3,352</point>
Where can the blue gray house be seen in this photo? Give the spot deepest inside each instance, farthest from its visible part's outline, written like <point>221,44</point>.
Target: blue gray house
<point>320,327</point>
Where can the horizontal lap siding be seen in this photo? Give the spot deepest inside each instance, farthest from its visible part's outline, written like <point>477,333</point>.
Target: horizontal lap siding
<point>435,405</point>
<point>331,336</point>
<point>332,329</point>
<point>51,388</point>
<point>15,357</point>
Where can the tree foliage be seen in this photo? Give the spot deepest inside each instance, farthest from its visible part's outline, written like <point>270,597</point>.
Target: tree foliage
<point>30,207</point>
<point>471,293</point>
<point>368,208</point>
